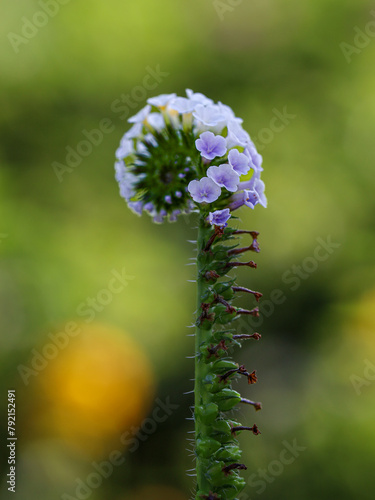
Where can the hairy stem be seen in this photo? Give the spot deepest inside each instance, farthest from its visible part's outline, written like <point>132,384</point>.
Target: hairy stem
<point>202,336</point>
<point>217,451</point>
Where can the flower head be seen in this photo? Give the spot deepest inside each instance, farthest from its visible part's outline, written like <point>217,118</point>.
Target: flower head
<point>181,152</point>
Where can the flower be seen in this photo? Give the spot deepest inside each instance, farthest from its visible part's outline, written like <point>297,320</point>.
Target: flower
<point>239,162</point>
<point>252,193</point>
<point>224,176</point>
<point>198,97</point>
<point>204,190</point>
<point>156,121</point>
<point>141,115</point>
<point>159,217</point>
<point>209,116</point>
<point>180,152</point>
<point>211,145</point>
<point>182,105</point>
<point>259,187</point>
<point>219,217</point>
<point>254,157</point>
<point>136,207</point>
<point>237,136</point>
<point>161,101</point>
<point>135,131</point>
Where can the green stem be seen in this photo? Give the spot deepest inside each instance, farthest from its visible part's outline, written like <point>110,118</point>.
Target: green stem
<point>201,368</point>
<point>217,451</point>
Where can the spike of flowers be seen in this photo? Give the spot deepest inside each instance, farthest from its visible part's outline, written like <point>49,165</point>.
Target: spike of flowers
<point>188,154</point>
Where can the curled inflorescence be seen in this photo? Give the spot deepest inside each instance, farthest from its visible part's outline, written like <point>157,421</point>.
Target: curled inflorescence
<point>182,152</point>
<point>185,154</point>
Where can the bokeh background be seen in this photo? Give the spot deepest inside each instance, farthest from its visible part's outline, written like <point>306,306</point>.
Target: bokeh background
<point>122,361</point>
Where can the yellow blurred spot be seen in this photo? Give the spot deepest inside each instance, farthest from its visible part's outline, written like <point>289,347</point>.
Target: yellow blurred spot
<point>363,322</point>
<point>99,386</point>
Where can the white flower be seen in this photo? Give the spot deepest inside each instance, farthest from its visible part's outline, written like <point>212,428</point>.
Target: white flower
<point>134,131</point>
<point>141,115</point>
<point>126,182</point>
<point>182,105</point>
<point>209,115</point>
<point>198,97</point>
<point>156,121</point>
<point>126,148</point>
<point>120,169</point>
<point>228,113</point>
<point>161,101</point>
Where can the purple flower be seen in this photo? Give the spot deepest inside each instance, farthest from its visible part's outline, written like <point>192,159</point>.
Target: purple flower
<point>211,145</point>
<point>237,201</point>
<point>255,192</point>
<point>259,187</point>
<point>224,176</point>
<point>219,217</point>
<point>136,207</point>
<point>239,162</point>
<point>149,207</point>
<point>250,193</point>
<point>204,190</point>
<point>237,136</point>
<point>250,198</point>
<point>255,158</point>
<point>159,217</point>
<point>173,216</point>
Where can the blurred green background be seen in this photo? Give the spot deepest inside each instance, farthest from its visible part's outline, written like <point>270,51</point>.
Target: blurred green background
<point>63,240</point>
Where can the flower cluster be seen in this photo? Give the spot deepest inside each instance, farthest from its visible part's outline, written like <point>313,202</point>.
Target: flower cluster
<point>182,153</point>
